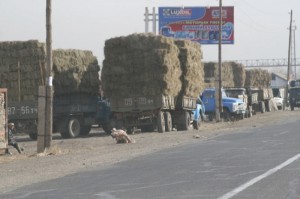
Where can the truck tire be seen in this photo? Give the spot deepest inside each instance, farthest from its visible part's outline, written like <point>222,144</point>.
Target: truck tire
<point>186,121</point>
<point>160,122</point>
<point>250,111</point>
<point>262,107</point>
<point>73,128</point>
<point>168,121</point>
<point>226,115</point>
<point>268,106</point>
<point>292,108</point>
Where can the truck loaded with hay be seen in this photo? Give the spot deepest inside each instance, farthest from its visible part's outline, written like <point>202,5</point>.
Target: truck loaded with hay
<point>152,82</point>
<point>76,87</point>
<point>253,86</point>
<point>258,83</point>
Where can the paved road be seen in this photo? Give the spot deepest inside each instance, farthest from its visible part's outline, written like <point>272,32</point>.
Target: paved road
<point>256,163</point>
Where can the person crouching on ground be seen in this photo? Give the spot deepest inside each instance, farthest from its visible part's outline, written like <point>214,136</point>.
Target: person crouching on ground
<point>11,139</point>
<point>121,136</point>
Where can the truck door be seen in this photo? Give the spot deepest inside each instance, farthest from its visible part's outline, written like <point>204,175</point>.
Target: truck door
<point>208,98</point>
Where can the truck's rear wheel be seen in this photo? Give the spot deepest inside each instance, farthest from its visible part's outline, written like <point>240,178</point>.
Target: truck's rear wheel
<point>250,111</point>
<point>73,128</point>
<point>292,107</point>
<point>262,107</point>
<point>168,121</point>
<point>161,122</point>
<point>268,106</point>
<point>187,121</point>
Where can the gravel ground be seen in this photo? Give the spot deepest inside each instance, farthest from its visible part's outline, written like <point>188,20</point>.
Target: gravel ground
<point>68,156</point>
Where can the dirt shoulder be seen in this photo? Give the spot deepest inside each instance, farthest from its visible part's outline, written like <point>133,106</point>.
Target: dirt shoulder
<point>68,156</point>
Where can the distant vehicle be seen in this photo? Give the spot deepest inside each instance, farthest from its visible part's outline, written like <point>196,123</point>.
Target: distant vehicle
<point>232,107</point>
<point>294,97</point>
<point>278,94</point>
<point>295,83</point>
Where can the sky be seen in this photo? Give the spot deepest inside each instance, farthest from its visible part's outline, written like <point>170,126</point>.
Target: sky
<point>261,26</point>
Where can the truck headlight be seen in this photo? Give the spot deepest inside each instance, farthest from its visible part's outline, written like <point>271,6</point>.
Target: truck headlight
<point>234,107</point>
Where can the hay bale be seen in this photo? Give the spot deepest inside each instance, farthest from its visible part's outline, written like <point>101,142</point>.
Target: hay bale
<point>75,71</point>
<point>22,64</point>
<point>192,78</point>
<point>233,74</point>
<point>23,67</point>
<point>139,65</point>
<point>258,78</point>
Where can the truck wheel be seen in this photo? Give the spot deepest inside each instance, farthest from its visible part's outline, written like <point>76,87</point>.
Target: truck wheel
<point>161,122</point>
<point>250,111</point>
<point>262,107</point>
<point>269,107</point>
<point>73,128</point>
<point>226,115</point>
<point>197,124</point>
<point>168,121</point>
<point>85,130</point>
<point>187,121</point>
<point>211,117</point>
<point>292,108</point>
<point>33,136</point>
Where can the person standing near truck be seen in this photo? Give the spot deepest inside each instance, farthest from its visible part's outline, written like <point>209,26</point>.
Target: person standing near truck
<point>11,140</point>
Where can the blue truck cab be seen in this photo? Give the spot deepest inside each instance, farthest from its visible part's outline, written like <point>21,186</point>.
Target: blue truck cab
<point>232,107</point>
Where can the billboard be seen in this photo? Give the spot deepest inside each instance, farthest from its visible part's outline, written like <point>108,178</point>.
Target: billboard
<point>199,24</point>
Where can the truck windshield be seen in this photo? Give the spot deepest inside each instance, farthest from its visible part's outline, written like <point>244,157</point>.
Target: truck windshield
<point>234,93</point>
<point>208,94</point>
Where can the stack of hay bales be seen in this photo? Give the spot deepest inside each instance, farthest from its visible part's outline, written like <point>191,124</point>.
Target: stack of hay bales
<point>21,67</point>
<point>23,70</point>
<point>147,65</point>
<point>233,74</point>
<point>190,56</point>
<point>257,78</point>
<point>75,71</point>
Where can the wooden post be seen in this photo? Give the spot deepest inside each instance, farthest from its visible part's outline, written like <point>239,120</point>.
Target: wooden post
<point>41,121</point>
<point>49,118</point>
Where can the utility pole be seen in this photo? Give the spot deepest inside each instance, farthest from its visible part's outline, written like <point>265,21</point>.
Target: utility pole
<point>293,52</point>
<point>289,61</point>
<point>49,94</point>
<point>45,91</point>
<point>218,90</point>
